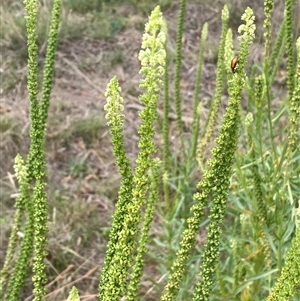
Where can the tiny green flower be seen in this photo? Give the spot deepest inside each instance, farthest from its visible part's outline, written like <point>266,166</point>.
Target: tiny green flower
<point>73,296</point>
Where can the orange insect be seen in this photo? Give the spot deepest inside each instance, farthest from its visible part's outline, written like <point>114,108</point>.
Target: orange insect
<point>234,64</point>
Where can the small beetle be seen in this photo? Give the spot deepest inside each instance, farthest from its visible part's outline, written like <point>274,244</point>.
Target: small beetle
<point>234,64</point>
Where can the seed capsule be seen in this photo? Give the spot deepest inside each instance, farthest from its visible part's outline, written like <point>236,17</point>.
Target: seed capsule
<point>234,64</point>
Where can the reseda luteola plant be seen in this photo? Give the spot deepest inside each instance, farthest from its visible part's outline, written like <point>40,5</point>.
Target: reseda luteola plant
<point>221,166</point>
<point>197,105</point>
<point>124,261</point>
<point>289,279</point>
<point>178,71</point>
<point>215,181</point>
<point>121,257</point>
<point>116,120</point>
<point>32,202</point>
<point>216,102</point>
<point>268,213</point>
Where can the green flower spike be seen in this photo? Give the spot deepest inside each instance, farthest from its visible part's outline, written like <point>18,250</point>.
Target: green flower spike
<point>152,57</point>
<point>137,269</point>
<point>289,30</point>
<point>268,8</point>
<point>289,280</point>
<point>221,165</point>
<point>228,52</point>
<point>73,296</point>
<point>178,71</point>
<point>216,102</point>
<point>18,276</point>
<point>36,207</point>
<point>115,119</point>
<point>294,105</point>
<point>197,106</point>
<point>215,181</point>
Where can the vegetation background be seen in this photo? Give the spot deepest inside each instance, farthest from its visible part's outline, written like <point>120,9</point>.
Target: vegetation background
<point>97,40</point>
